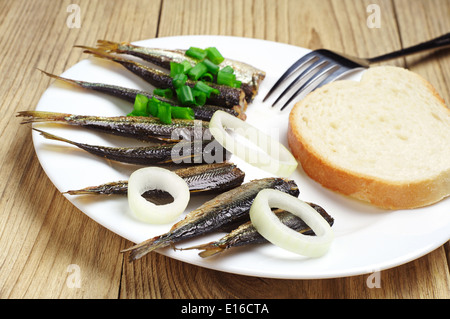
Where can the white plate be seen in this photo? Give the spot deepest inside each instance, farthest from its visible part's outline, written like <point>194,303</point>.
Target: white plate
<point>367,239</point>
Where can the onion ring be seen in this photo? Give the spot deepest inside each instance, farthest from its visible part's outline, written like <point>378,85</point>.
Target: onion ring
<point>276,158</point>
<point>271,228</point>
<point>149,178</point>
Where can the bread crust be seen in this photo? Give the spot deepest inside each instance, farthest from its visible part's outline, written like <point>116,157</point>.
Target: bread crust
<point>381,193</point>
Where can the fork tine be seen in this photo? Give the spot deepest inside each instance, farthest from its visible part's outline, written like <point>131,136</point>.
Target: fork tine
<point>300,62</point>
<point>316,65</point>
<point>332,76</point>
<point>310,82</point>
<point>337,74</point>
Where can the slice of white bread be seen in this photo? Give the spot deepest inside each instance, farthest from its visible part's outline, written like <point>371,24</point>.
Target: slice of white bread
<point>385,139</point>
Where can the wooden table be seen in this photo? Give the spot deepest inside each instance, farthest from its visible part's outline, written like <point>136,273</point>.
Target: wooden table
<point>42,233</point>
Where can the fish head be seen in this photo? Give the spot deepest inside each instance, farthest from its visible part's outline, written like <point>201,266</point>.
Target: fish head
<point>288,186</point>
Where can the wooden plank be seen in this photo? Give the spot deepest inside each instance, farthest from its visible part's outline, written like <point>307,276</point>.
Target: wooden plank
<point>44,239</point>
<point>420,21</point>
<point>157,276</point>
<point>337,25</point>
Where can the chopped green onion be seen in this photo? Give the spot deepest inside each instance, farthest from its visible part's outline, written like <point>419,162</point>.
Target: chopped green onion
<point>179,80</point>
<point>152,107</point>
<point>187,65</point>
<point>197,71</point>
<point>207,77</point>
<point>214,55</point>
<point>176,68</point>
<point>227,69</point>
<point>140,106</point>
<point>237,84</point>
<point>196,53</point>
<point>205,88</point>
<point>199,97</point>
<point>143,106</point>
<point>207,69</point>
<point>212,68</point>
<point>180,112</point>
<point>164,113</point>
<point>225,78</point>
<point>184,94</point>
<point>167,93</point>
<point>134,113</point>
<point>140,103</point>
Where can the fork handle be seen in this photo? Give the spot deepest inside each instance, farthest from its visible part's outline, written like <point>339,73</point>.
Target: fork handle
<point>438,42</point>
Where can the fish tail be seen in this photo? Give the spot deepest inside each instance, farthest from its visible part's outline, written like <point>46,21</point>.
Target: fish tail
<point>142,249</point>
<point>83,191</point>
<point>41,116</point>
<point>118,187</point>
<point>79,192</point>
<point>54,137</point>
<point>110,46</point>
<point>57,77</point>
<point>209,249</point>
<point>103,54</point>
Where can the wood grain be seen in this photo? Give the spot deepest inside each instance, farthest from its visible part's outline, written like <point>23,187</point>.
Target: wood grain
<point>42,234</point>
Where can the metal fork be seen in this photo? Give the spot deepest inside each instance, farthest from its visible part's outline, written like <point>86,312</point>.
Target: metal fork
<point>324,66</point>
